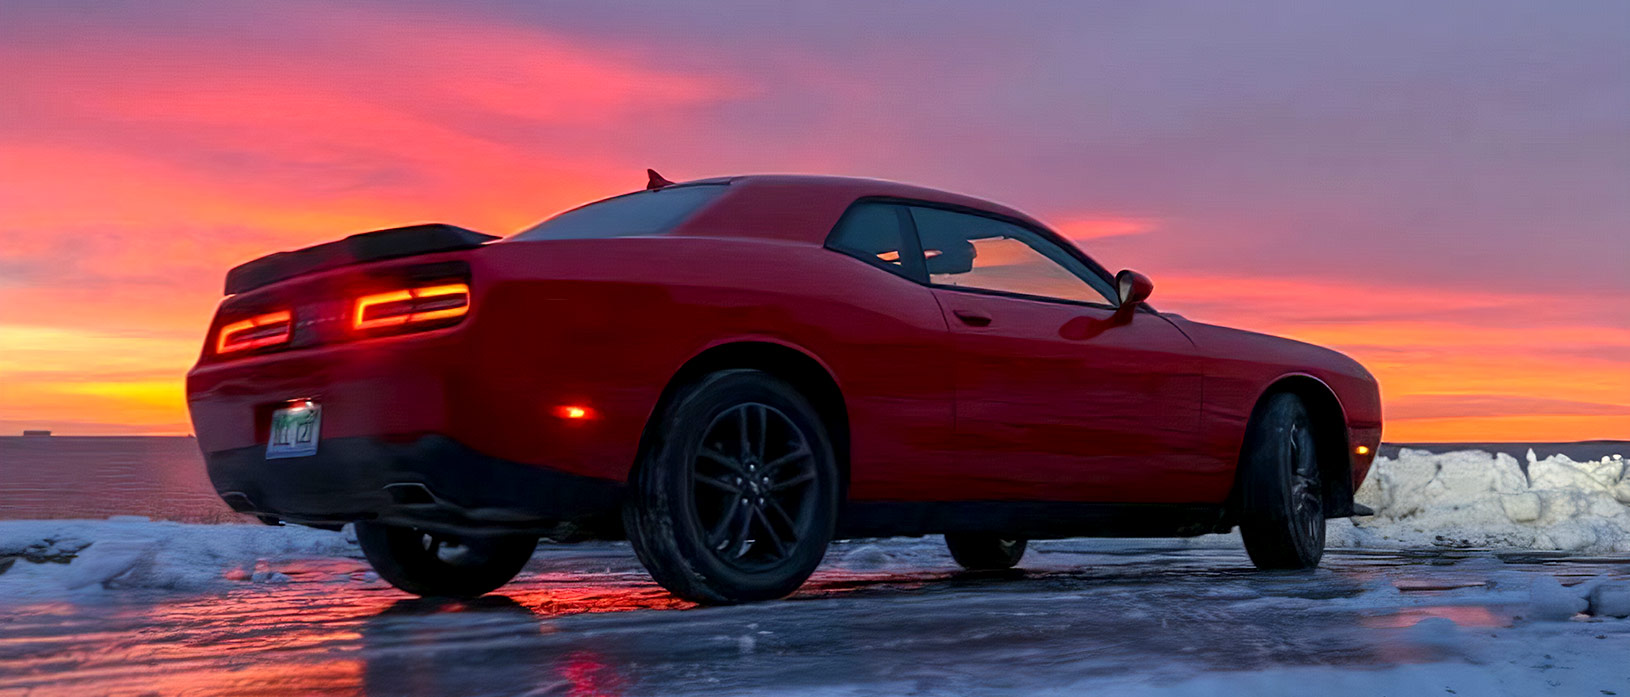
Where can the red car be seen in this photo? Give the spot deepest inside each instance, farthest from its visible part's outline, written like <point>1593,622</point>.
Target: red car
<point>733,372</point>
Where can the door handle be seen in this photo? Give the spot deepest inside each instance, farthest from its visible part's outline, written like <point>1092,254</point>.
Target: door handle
<point>971,318</point>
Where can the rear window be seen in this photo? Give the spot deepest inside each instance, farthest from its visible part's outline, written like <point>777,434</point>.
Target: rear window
<point>629,215</point>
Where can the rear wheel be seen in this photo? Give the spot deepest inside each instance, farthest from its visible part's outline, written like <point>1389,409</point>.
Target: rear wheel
<point>439,564</point>
<point>981,552</point>
<point>738,498</point>
<point>1281,496</point>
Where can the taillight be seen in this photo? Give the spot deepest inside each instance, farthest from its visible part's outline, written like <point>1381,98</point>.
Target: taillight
<point>411,306</point>
<point>259,331</point>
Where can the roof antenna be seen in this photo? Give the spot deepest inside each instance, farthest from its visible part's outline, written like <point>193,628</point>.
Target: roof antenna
<point>655,181</point>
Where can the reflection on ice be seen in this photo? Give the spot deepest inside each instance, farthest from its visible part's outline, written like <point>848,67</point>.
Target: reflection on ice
<point>584,620</point>
<point>1460,615</point>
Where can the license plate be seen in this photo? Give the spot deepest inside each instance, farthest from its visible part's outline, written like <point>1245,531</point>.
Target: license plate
<point>295,431</point>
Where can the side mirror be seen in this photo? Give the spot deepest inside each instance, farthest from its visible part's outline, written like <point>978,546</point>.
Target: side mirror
<point>1133,287</point>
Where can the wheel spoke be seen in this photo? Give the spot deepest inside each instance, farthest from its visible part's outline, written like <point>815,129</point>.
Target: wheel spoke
<point>716,537</point>
<point>1306,505</point>
<point>775,538</point>
<point>775,506</point>
<point>740,540</point>
<point>1310,501</point>
<point>800,453</point>
<point>794,481</point>
<point>763,431</point>
<point>746,448</point>
<point>717,483</point>
<point>729,463</point>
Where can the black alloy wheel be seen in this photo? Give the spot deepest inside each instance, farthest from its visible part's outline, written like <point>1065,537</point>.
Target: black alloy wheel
<point>753,476</point>
<point>737,498</point>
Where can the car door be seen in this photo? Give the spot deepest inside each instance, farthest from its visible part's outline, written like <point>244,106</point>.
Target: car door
<point>1058,396</point>
<point>892,349</point>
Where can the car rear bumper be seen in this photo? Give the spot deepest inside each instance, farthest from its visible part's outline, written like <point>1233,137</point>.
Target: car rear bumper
<point>489,396</point>
<point>432,482</point>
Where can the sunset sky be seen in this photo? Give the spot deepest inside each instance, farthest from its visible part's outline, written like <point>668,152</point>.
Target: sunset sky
<point>1441,190</point>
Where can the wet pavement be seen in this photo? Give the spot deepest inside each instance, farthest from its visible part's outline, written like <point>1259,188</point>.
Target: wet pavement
<point>881,618</point>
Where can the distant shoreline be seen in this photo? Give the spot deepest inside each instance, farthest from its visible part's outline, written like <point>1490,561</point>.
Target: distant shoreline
<point>1577,451</point>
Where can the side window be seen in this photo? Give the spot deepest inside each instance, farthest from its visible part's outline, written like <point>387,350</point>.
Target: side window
<point>876,234</point>
<point>971,251</point>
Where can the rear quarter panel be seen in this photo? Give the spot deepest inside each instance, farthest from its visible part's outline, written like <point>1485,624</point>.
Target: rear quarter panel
<point>605,324</point>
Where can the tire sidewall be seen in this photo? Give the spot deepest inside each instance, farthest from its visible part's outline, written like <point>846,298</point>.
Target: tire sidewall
<point>1275,537</point>
<point>396,555</point>
<point>985,551</point>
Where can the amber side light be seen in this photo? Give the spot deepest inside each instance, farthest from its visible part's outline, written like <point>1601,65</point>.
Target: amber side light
<point>1362,450</point>
<point>410,305</point>
<point>572,411</point>
<point>269,329</point>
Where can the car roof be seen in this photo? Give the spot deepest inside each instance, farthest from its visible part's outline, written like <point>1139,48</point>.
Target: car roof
<point>805,207</point>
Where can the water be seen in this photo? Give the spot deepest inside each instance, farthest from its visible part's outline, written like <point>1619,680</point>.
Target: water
<point>95,477</point>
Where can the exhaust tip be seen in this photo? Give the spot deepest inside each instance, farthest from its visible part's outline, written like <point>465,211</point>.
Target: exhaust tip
<point>238,501</point>
<point>410,494</point>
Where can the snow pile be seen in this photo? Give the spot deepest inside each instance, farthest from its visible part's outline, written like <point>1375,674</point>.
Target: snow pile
<point>1549,600</point>
<point>1610,599</point>
<point>866,557</point>
<point>1603,596</point>
<point>1474,499</point>
<point>64,557</point>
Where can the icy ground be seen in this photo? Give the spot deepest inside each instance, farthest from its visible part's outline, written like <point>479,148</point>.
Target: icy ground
<point>1475,579</point>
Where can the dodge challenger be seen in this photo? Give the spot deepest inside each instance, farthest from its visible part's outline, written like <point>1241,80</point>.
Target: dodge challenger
<point>730,373</point>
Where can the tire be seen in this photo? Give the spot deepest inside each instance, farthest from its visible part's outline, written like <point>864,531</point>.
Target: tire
<point>738,497</point>
<point>442,565</point>
<point>984,552</point>
<point>1281,496</point>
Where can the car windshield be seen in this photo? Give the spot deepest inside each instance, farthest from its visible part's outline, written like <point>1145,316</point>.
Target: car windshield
<point>629,215</point>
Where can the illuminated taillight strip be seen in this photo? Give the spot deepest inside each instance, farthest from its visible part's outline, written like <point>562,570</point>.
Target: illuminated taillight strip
<point>270,329</point>
<point>410,305</point>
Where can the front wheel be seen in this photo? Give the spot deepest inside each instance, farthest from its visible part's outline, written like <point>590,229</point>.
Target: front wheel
<point>1281,497</point>
<point>443,565</point>
<point>984,552</point>
<point>738,497</point>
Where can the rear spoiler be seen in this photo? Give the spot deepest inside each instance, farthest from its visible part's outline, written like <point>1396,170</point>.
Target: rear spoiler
<point>356,249</point>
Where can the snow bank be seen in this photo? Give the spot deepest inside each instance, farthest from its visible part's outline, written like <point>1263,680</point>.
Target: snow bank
<point>68,557</point>
<point>1474,499</point>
